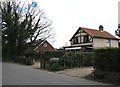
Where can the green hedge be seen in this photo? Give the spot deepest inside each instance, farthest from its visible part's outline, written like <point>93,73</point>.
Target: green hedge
<point>23,60</point>
<point>76,59</point>
<point>56,66</point>
<point>47,55</point>
<point>107,59</point>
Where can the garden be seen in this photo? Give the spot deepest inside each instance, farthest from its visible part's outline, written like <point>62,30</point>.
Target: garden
<point>105,61</point>
<point>58,60</point>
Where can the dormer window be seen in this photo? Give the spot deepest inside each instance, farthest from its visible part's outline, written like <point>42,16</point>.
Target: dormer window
<point>75,40</point>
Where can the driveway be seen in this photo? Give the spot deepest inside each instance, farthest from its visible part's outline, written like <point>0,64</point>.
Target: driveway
<point>77,72</point>
<point>14,74</point>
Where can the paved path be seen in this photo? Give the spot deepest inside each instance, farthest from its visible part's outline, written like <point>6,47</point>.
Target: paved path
<point>14,74</point>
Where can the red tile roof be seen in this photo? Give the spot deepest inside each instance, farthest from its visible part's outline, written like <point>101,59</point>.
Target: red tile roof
<point>96,33</point>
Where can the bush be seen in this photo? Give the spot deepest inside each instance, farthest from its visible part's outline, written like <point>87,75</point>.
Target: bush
<point>23,60</point>
<point>56,67</point>
<point>107,59</point>
<point>97,73</point>
<point>47,55</point>
<point>7,60</point>
<point>76,60</point>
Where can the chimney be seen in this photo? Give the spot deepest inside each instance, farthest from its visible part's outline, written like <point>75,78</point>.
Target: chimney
<point>101,28</point>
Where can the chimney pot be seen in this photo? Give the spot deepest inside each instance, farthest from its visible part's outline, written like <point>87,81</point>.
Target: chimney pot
<point>101,28</point>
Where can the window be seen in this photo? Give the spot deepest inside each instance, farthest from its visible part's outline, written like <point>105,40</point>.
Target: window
<point>86,39</point>
<point>45,44</point>
<point>108,41</point>
<point>75,40</point>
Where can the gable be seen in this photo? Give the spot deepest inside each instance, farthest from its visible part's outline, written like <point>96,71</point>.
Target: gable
<point>45,45</point>
<point>94,33</point>
<point>79,32</point>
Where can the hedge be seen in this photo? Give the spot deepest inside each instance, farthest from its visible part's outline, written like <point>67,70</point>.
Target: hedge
<point>76,59</point>
<point>46,55</point>
<point>107,59</point>
<point>67,60</point>
<point>56,66</point>
<point>23,60</point>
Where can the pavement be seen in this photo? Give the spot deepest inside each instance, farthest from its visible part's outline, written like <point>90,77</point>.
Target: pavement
<point>14,74</point>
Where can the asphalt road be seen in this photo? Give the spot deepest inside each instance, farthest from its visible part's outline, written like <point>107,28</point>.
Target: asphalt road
<point>14,74</point>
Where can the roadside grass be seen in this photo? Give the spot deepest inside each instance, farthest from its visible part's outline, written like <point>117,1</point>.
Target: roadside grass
<point>8,60</point>
<point>42,69</point>
<point>48,69</point>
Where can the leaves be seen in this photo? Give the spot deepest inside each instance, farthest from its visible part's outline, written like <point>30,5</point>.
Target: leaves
<point>22,23</point>
<point>77,60</point>
<point>107,59</point>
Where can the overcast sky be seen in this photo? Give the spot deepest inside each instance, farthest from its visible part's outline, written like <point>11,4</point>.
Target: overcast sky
<point>68,15</point>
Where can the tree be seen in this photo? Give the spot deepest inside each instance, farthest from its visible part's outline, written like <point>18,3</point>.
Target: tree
<point>118,31</point>
<point>22,23</point>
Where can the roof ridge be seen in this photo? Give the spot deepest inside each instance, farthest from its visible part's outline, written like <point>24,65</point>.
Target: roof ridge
<point>103,32</point>
<point>95,33</point>
<point>89,28</point>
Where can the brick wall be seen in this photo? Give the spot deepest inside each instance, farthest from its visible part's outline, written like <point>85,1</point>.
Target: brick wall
<point>43,46</point>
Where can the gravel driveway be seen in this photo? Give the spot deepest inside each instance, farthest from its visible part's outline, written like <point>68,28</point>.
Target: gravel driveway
<point>77,72</point>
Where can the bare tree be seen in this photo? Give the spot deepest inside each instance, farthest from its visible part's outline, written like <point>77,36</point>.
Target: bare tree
<point>118,31</point>
<point>23,23</point>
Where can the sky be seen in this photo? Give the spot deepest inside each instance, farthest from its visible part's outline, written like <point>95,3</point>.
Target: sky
<point>68,15</point>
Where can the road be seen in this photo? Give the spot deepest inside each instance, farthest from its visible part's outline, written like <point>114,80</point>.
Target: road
<point>14,74</point>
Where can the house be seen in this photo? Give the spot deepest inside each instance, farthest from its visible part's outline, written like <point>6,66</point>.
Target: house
<point>86,39</point>
<point>43,46</point>
<point>39,45</point>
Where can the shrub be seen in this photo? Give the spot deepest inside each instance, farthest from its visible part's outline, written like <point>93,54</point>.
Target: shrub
<point>7,60</point>
<point>23,60</point>
<point>56,67</point>
<point>97,73</point>
<point>76,60</point>
<point>47,55</point>
<point>107,59</point>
